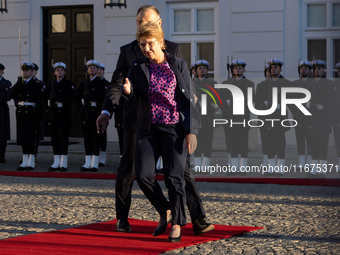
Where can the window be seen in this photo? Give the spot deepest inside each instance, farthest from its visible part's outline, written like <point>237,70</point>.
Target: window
<point>336,15</point>
<point>322,33</point>
<point>317,49</point>
<point>182,21</point>
<point>193,26</point>
<point>336,56</point>
<point>58,23</point>
<point>316,15</point>
<point>83,22</point>
<point>193,20</point>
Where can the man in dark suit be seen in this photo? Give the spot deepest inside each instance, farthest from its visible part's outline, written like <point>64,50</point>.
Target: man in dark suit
<point>128,54</point>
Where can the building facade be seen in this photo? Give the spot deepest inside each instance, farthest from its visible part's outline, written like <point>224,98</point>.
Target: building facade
<point>216,30</point>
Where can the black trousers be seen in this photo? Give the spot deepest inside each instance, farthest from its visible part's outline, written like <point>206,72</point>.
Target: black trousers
<point>277,144</point>
<point>265,141</point>
<point>103,142</point>
<point>125,177</point>
<point>92,141</point>
<point>59,137</point>
<point>28,150</point>
<point>205,137</point>
<point>301,135</point>
<point>320,145</point>
<point>120,133</point>
<point>3,149</point>
<point>167,141</point>
<point>239,139</point>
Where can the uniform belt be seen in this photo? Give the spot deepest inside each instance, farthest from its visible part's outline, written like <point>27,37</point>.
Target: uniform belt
<point>22,103</point>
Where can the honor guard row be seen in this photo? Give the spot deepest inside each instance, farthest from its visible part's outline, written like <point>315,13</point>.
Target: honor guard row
<point>35,101</point>
<point>311,131</point>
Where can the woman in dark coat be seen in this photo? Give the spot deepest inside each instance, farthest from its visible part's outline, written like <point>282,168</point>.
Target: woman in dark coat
<point>159,87</point>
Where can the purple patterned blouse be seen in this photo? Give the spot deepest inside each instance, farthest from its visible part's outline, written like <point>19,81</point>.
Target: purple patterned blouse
<point>162,96</point>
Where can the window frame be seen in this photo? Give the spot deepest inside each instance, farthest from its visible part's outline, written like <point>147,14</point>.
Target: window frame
<point>194,36</point>
<point>329,16</point>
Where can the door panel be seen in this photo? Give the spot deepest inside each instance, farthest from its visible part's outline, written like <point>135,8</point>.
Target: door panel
<point>68,38</point>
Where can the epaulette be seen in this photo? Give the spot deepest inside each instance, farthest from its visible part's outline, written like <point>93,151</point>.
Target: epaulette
<point>37,81</point>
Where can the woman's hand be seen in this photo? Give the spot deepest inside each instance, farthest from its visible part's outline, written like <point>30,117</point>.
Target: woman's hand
<point>127,87</point>
<point>191,142</point>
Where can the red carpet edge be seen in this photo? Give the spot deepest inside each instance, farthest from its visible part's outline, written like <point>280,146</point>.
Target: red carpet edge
<point>259,180</point>
<point>101,238</point>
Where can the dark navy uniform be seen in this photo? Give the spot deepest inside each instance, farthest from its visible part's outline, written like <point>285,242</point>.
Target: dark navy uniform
<point>89,98</point>
<point>275,134</point>
<point>237,133</point>
<point>5,95</point>
<point>322,107</point>
<point>59,113</point>
<point>29,96</point>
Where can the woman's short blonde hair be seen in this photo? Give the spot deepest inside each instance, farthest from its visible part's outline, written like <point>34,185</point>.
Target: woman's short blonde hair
<point>150,30</point>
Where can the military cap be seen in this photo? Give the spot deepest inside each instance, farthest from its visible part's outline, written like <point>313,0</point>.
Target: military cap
<point>59,65</point>
<point>92,62</point>
<point>337,66</point>
<point>238,62</point>
<point>102,66</point>
<point>202,62</point>
<point>275,61</point>
<point>266,66</point>
<point>192,66</point>
<point>35,66</point>
<point>2,67</point>
<point>305,63</point>
<point>319,63</point>
<point>27,65</point>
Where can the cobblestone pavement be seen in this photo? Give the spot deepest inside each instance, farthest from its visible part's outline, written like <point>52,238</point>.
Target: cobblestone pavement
<point>296,219</point>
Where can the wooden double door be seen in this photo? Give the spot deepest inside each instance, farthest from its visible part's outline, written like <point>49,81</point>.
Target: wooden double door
<point>68,38</point>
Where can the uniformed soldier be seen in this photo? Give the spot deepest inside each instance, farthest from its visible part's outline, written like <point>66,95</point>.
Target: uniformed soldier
<point>5,95</point>
<point>60,93</point>
<point>192,71</point>
<point>322,107</point>
<point>204,138</point>
<point>237,133</point>
<point>303,122</point>
<point>88,100</point>
<point>267,74</point>
<point>103,143</point>
<point>274,132</point>
<point>29,94</point>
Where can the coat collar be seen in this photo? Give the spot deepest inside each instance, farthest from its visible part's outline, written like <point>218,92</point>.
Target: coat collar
<point>139,54</point>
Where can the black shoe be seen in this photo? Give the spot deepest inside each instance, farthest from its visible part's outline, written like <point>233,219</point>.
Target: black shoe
<point>21,168</point>
<point>162,228</point>
<point>175,239</point>
<point>83,169</point>
<point>52,169</point>
<point>200,226</point>
<point>29,168</point>
<point>93,169</point>
<point>101,164</point>
<point>63,169</point>
<point>123,226</point>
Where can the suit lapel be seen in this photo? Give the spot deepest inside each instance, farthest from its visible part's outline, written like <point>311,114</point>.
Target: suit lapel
<point>145,68</point>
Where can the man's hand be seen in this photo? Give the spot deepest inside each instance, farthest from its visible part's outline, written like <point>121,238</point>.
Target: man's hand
<point>191,143</point>
<point>102,122</point>
<point>127,87</point>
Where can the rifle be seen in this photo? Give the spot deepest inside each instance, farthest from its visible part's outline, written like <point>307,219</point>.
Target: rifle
<point>52,99</point>
<point>228,66</point>
<point>86,92</point>
<point>20,54</point>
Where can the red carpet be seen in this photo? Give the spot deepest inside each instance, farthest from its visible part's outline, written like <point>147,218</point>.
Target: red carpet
<point>101,239</point>
<point>263,180</point>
